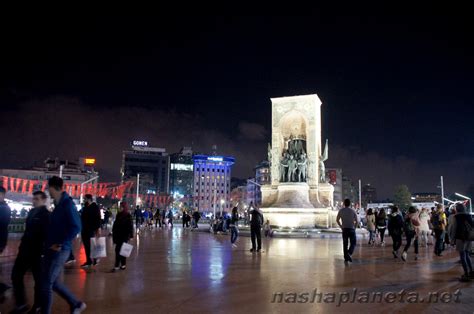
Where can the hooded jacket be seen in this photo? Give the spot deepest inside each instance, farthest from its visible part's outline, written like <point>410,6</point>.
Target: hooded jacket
<point>64,223</point>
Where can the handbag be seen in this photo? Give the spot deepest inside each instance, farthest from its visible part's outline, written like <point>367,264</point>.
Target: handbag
<point>126,249</point>
<point>98,247</point>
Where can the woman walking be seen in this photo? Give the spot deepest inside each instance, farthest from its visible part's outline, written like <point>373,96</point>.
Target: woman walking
<point>234,230</point>
<point>371,226</point>
<point>122,232</point>
<point>381,222</point>
<point>412,225</point>
<point>462,232</point>
<point>425,232</point>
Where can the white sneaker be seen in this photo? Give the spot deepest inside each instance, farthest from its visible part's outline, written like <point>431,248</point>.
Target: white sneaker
<point>404,256</point>
<point>81,308</point>
<point>234,245</point>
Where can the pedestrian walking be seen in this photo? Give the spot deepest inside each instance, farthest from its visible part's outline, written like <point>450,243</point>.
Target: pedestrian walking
<point>196,217</point>
<point>234,230</point>
<point>462,231</point>
<point>64,225</point>
<point>411,228</point>
<point>438,220</point>
<point>256,221</point>
<point>347,220</point>
<point>395,230</point>
<point>381,224</point>
<point>371,226</point>
<point>91,221</point>
<point>425,232</point>
<point>5,217</point>
<point>30,253</point>
<point>122,232</point>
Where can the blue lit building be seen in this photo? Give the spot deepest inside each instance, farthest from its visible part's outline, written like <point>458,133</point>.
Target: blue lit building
<point>212,183</point>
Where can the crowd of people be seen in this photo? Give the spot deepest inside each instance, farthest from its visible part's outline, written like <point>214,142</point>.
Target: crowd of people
<point>46,245</point>
<point>451,226</point>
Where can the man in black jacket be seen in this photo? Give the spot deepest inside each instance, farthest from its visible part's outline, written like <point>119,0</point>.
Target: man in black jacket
<point>91,221</point>
<point>256,221</point>
<point>5,216</point>
<point>30,251</point>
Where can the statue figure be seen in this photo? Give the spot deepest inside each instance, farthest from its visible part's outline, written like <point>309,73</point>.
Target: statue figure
<point>269,154</point>
<point>283,166</point>
<point>292,166</point>
<point>302,165</point>
<point>322,167</point>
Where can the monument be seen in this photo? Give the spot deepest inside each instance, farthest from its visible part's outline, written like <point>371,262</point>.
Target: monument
<point>298,196</point>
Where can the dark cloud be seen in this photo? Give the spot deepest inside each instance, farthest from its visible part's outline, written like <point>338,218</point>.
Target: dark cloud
<point>252,131</point>
<point>387,172</point>
<point>69,128</point>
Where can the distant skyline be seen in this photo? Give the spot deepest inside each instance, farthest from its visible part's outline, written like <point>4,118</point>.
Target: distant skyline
<point>396,89</point>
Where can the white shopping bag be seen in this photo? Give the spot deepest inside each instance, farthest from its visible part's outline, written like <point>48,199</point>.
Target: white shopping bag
<point>126,250</point>
<point>98,249</point>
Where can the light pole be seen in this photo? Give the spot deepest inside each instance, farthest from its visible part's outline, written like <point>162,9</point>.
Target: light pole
<point>82,188</point>
<point>61,168</point>
<point>137,200</point>
<point>467,198</point>
<point>360,194</point>
<point>442,191</point>
<point>222,205</point>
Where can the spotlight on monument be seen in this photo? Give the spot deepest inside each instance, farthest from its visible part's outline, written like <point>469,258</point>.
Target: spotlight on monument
<point>298,195</point>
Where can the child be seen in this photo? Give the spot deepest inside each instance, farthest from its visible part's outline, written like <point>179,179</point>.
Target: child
<point>267,229</point>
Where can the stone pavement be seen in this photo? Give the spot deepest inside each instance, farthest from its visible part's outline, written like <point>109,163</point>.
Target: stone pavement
<point>179,271</point>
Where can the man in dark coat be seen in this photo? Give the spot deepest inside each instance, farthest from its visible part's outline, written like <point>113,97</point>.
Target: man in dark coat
<point>5,216</point>
<point>31,249</point>
<point>91,221</point>
<point>256,222</point>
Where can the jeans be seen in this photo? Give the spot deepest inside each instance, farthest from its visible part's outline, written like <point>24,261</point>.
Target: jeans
<point>119,259</point>
<point>53,265</point>
<point>425,236</point>
<point>439,236</point>
<point>397,241</point>
<point>465,261</point>
<point>23,263</point>
<point>256,234</point>
<point>348,235</point>
<point>86,241</point>
<point>234,234</point>
<point>410,237</point>
<point>382,234</point>
<point>371,236</point>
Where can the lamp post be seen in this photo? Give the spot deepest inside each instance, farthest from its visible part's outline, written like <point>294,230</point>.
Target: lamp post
<point>222,204</point>
<point>137,199</point>
<point>467,198</point>
<point>82,188</point>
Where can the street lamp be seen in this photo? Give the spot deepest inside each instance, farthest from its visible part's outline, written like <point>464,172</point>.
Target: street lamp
<point>467,198</point>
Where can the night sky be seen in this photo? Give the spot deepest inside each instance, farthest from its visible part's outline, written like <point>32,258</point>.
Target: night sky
<point>397,89</point>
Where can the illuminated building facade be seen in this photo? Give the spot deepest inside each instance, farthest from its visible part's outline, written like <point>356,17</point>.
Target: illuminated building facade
<point>181,173</point>
<point>153,165</point>
<point>212,176</point>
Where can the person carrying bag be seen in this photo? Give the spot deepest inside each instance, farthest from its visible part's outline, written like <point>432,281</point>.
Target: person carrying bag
<point>122,232</point>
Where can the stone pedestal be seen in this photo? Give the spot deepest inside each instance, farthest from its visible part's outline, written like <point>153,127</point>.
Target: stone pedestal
<point>297,204</point>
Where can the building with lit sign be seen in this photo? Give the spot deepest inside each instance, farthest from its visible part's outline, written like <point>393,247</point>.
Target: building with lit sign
<point>73,172</point>
<point>152,163</point>
<point>212,176</point>
<point>181,173</point>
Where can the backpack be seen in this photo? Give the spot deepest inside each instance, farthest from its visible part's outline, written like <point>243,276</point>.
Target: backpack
<point>409,227</point>
<point>436,221</point>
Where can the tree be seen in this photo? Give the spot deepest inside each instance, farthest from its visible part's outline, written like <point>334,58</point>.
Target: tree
<point>402,197</point>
